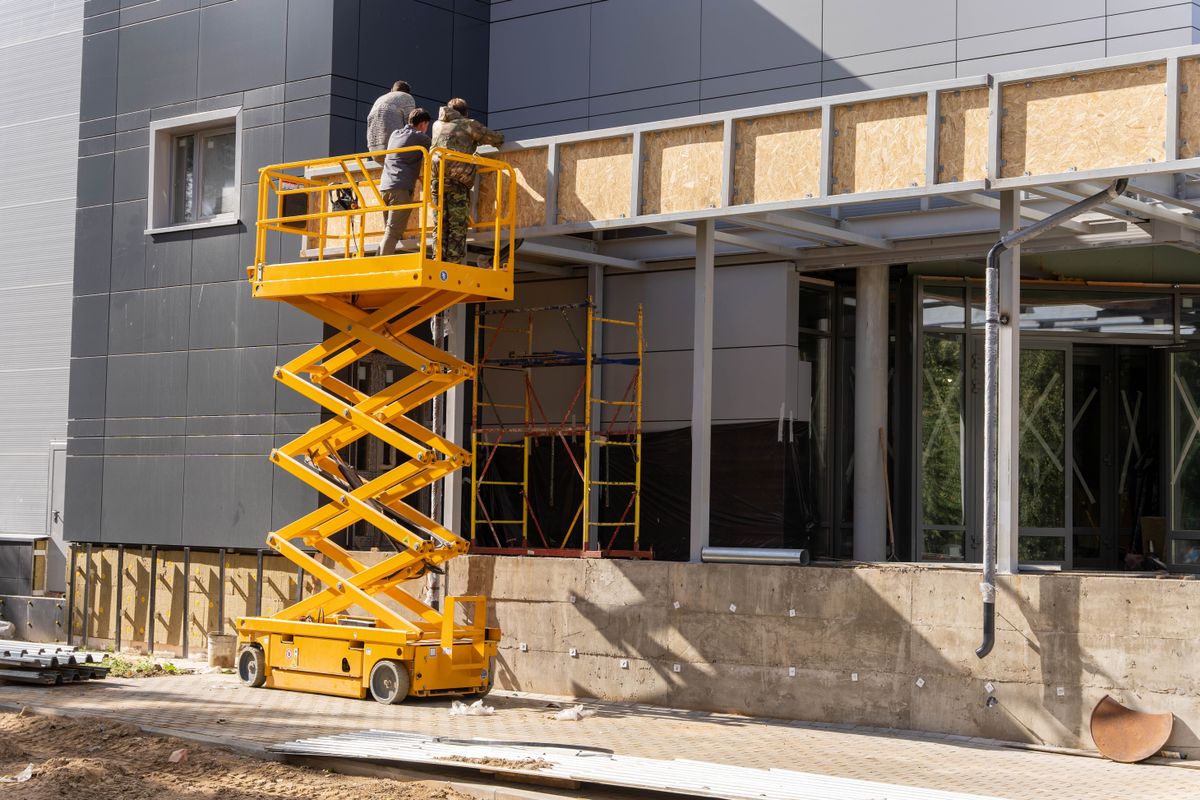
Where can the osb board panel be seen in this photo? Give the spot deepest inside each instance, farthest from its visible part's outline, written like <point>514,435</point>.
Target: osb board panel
<point>777,158</point>
<point>595,179</point>
<point>681,169</point>
<point>1115,118</point>
<point>879,145</point>
<point>962,135</point>
<point>1189,108</point>
<point>372,222</point>
<point>532,177</point>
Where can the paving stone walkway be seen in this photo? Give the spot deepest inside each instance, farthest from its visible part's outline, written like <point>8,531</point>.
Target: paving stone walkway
<point>218,706</point>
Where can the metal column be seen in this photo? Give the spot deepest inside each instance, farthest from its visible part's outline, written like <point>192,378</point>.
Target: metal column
<point>870,412</point>
<point>1008,437</point>
<point>596,295</point>
<point>456,345</point>
<point>702,358</point>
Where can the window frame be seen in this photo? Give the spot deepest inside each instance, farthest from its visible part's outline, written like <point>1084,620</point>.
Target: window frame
<point>163,135</point>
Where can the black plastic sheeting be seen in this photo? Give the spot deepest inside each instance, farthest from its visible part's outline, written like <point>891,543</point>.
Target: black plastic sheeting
<point>760,494</point>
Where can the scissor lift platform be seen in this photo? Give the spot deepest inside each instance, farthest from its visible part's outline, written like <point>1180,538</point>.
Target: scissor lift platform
<point>363,633</point>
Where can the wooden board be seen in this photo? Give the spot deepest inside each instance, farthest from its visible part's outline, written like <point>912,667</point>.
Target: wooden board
<point>681,169</point>
<point>532,176</point>
<point>595,179</point>
<point>962,147</point>
<point>1083,122</point>
<point>777,158</point>
<point>879,145</point>
<point>1189,108</point>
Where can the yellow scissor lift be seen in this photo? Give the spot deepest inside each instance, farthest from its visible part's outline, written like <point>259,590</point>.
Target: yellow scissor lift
<point>345,640</point>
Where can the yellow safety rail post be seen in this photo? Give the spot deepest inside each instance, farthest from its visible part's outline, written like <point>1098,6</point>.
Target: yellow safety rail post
<point>364,633</point>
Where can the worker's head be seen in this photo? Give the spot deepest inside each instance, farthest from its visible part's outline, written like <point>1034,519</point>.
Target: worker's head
<point>418,119</point>
<point>401,86</point>
<point>459,105</point>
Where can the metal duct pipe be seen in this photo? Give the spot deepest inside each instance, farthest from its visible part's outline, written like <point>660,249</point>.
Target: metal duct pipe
<point>753,555</point>
<point>991,390</point>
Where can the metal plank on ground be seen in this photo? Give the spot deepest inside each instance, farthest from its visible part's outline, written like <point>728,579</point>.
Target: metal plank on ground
<point>582,764</point>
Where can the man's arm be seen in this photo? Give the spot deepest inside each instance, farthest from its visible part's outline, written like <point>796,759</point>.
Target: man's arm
<point>485,135</point>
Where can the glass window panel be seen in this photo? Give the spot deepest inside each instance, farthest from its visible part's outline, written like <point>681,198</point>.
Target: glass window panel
<point>1075,311</point>
<point>941,430</point>
<point>1042,471</point>
<point>1189,315</point>
<point>814,309</point>
<point>1042,548</point>
<point>944,545</point>
<point>1185,551</point>
<point>219,192</point>
<point>942,307</point>
<point>1185,449</point>
<point>183,180</point>
<point>815,351</point>
<point>1088,545</point>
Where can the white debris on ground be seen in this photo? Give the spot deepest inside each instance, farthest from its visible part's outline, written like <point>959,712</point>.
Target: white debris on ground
<point>20,777</point>
<point>476,709</point>
<point>574,713</point>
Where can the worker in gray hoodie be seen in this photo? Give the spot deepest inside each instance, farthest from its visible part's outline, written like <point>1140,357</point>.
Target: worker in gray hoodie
<point>389,113</point>
<point>401,171</point>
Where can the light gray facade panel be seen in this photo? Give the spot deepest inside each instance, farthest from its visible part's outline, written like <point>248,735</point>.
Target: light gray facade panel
<point>147,385</point>
<point>762,80</point>
<point>520,50</point>
<point>142,499</point>
<point>767,97</point>
<point>739,36</point>
<point>1067,33</point>
<point>1151,20</point>
<point>1032,58</point>
<point>98,97</point>
<point>599,121</point>
<point>128,246</point>
<point>243,45</point>
<point>232,381</point>
<point>227,500</point>
<point>89,326</point>
<point>169,259</point>
<point>1114,7</point>
<point>170,45</point>
<point>81,514</point>
<point>625,57</point>
<point>1148,42</point>
<point>645,98</point>
<point>854,27</point>
<point>89,377</point>
<point>537,115</point>
<point>131,174</point>
<point>982,17</point>
<point>225,315</point>
<point>888,61</point>
<point>887,80</point>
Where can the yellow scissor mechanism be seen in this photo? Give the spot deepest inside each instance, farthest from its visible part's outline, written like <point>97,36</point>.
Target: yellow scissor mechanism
<point>363,633</point>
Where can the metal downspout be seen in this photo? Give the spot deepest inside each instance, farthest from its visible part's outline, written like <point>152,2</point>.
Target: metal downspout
<point>991,390</point>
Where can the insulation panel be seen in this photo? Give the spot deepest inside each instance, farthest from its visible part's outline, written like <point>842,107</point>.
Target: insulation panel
<point>681,169</point>
<point>777,158</point>
<point>1083,122</point>
<point>962,135</point>
<point>879,145</point>
<point>595,179</point>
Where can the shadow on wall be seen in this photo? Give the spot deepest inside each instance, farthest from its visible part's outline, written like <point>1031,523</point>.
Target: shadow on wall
<point>889,647</point>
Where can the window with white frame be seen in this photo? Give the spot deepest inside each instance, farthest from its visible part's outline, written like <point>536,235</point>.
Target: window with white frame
<point>195,163</point>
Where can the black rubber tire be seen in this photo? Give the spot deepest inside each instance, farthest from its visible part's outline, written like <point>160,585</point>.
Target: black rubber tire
<point>252,666</point>
<point>390,682</point>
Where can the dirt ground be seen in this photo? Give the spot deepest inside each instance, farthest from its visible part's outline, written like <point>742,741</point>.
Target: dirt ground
<point>102,760</point>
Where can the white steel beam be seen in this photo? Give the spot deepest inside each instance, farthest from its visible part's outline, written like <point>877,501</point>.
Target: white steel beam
<point>738,240</point>
<point>1008,403</point>
<point>822,226</point>
<point>584,256</point>
<point>984,201</point>
<point>1140,208</point>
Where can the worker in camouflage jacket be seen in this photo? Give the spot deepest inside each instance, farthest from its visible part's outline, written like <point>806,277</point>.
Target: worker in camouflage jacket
<point>456,131</point>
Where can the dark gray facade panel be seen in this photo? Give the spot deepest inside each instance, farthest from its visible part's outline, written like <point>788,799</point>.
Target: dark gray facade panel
<point>788,94</point>
<point>644,115</point>
<point>128,246</point>
<point>94,185</point>
<point>98,87</point>
<point>287,400</point>
<point>101,126</point>
<point>128,140</point>
<point>146,426</point>
<point>225,315</point>
<point>287,425</point>
<point>97,145</point>
<point>93,8</point>
<point>157,62</point>
<point>388,53</point>
<point>135,11</point>
<point>93,249</point>
<point>169,259</point>
<point>227,501</point>
<point>142,500</point>
<point>257,98</point>
<point>131,174</point>
<point>290,497</point>
<point>761,81</point>
<point>243,45</point>
<point>214,255</point>
<point>89,325</point>
<point>260,147</point>
<point>85,429</point>
<point>672,94</point>
<point>740,36</point>
<point>263,115</point>
<point>305,139</point>
<point>148,321</point>
<point>887,80</point>
<point>870,64</point>
<point>521,50</point>
<point>232,381</point>
<point>147,385</point>
<point>81,512</point>
<point>625,56</point>
<point>231,425</point>
<point>88,382</point>
<point>132,120</point>
<point>241,444</point>
<point>143,446</point>
<point>296,327</point>
<point>469,70</point>
<point>308,107</point>
<point>524,8</point>
<point>101,22</point>
<point>539,115</point>
<point>310,48</point>
<point>307,87</point>
<point>85,444</point>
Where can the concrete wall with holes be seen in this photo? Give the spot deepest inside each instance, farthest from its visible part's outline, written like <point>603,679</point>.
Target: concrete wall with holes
<point>882,646</point>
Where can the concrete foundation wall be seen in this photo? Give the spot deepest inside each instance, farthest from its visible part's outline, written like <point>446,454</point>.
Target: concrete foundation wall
<point>726,637</point>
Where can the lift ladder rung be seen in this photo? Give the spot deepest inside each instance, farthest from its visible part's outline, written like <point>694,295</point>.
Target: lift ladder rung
<point>608,321</point>
<point>512,445</point>
<point>499,483</point>
<point>604,402</point>
<point>613,483</point>
<point>504,405</point>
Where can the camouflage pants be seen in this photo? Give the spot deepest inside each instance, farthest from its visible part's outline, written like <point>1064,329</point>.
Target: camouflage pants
<point>452,228</point>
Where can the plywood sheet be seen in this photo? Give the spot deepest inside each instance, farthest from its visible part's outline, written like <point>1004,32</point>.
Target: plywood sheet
<point>962,152</point>
<point>777,158</point>
<point>1189,108</point>
<point>879,145</point>
<point>595,179</point>
<point>1115,118</point>
<point>532,176</point>
<point>681,169</point>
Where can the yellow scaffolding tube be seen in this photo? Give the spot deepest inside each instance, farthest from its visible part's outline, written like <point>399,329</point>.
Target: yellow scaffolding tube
<point>363,633</point>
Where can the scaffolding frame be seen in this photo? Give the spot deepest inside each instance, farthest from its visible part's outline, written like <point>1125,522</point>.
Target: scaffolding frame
<point>584,535</point>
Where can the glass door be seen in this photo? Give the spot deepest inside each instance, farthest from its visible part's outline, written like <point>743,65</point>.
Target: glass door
<point>1185,458</point>
<point>1044,448</point>
<point>1092,458</point>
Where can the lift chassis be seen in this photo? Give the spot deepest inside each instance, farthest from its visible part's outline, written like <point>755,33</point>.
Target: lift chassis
<point>364,633</point>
